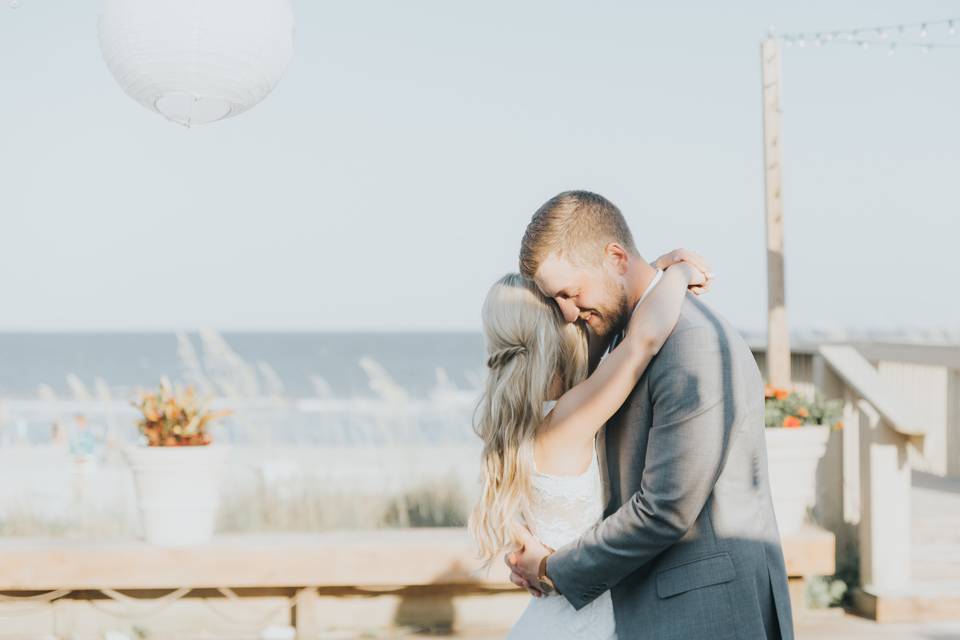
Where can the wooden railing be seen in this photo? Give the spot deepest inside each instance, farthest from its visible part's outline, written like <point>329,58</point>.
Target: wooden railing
<point>876,465</point>
<point>928,381</point>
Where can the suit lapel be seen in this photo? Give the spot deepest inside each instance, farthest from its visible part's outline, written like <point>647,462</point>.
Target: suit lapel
<point>601,444</point>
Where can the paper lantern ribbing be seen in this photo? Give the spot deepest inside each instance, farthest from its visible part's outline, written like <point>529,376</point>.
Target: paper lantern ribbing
<point>197,61</point>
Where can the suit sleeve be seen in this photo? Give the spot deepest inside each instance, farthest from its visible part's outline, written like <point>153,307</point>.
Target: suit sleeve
<point>687,445</point>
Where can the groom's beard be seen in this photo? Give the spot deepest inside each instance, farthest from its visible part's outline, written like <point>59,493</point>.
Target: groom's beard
<point>609,320</point>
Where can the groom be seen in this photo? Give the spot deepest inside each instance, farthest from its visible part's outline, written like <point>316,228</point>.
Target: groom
<point>689,546</point>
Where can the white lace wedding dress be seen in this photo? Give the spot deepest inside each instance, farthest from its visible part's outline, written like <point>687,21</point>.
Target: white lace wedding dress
<point>563,508</point>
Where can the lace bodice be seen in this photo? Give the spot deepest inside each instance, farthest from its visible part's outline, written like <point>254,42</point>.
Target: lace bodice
<point>563,507</point>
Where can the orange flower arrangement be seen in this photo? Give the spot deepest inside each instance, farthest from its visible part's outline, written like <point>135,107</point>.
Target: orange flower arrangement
<point>775,393</point>
<point>175,417</point>
<point>785,408</point>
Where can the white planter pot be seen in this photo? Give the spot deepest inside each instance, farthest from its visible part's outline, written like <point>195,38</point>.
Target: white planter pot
<point>793,456</point>
<point>177,491</point>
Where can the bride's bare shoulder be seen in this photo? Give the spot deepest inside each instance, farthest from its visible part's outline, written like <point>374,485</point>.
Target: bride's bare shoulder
<point>559,452</point>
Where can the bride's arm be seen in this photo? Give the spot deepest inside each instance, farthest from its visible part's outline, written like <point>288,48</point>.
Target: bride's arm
<point>581,411</point>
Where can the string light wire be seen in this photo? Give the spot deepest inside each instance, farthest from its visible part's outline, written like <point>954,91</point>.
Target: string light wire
<point>889,37</point>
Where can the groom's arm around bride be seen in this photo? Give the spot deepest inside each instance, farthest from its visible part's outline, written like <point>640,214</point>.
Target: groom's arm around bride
<point>686,447</point>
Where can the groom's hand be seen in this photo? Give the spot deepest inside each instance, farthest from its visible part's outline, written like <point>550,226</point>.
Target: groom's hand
<point>517,579</point>
<point>525,562</point>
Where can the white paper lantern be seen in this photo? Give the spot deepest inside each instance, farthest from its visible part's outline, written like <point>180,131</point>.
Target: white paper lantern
<point>197,61</point>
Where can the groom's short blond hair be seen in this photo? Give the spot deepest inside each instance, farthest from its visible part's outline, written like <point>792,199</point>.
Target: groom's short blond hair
<point>578,225</point>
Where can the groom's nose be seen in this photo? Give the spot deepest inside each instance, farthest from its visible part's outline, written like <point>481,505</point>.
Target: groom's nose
<point>569,310</point>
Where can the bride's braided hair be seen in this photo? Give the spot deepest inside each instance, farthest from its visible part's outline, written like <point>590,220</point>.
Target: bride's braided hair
<point>503,356</point>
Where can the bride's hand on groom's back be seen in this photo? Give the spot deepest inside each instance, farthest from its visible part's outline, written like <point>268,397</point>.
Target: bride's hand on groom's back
<point>699,284</point>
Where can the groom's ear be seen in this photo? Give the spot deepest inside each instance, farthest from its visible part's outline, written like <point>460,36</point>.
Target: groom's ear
<point>617,257</point>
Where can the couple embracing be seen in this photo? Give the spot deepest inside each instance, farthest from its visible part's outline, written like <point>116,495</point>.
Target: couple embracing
<point>624,467</point>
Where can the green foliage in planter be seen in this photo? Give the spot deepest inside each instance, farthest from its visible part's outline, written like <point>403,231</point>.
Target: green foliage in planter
<point>824,592</point>
<point>836,590</point>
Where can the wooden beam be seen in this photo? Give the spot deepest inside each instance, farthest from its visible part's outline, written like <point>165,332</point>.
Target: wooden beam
<point>385,558</point>
<point>778,334</point>
<point>388,561</point>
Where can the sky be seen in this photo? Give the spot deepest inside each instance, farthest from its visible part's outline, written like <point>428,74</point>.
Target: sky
<point>387,180</point>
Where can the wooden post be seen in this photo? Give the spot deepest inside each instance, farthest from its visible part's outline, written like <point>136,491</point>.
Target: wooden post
<point>953,422</point>
<point>303,614</point>
<point>884,505</point>
<point>778,335</point>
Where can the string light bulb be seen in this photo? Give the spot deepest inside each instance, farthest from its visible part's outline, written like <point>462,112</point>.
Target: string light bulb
<point>951,28</point>
<point>923,31</point>
<point>892,49</point>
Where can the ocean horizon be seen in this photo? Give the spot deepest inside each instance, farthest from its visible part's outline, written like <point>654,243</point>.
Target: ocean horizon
<point>296,364</point>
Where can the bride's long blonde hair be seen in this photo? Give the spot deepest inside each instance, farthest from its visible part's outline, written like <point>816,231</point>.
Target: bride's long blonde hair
<point>528,346</point>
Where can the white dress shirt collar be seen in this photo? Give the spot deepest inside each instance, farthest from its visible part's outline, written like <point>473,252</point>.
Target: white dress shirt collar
<point>618,337</point>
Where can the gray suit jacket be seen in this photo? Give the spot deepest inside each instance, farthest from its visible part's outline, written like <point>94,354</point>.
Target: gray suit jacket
<point>689,545</point>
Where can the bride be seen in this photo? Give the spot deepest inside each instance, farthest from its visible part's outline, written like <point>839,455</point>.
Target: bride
<point>538,418</point>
